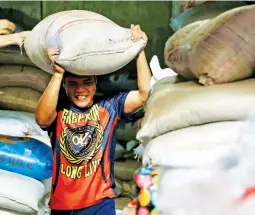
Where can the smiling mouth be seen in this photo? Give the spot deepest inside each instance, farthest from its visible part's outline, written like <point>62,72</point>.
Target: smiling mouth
<point>81,97</point>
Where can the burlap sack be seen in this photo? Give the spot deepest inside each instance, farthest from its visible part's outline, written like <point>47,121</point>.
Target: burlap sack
<point>186,104</point>
<point>24,76</point>
<point>122,202</point>
<point>13,56</point>
<point>19,98</point>
<point>196,146</point>
<point>126,131</point>
<point>119,151</point>
<point>125,170</point>
<point>126,188</point>
<point>220,51</point>
<point>177,42</point>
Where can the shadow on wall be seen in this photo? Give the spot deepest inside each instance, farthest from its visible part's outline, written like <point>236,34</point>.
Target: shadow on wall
<point>123,80</point>
<point>22,21</point>
<point>250,2</point>
<point>158,35</point>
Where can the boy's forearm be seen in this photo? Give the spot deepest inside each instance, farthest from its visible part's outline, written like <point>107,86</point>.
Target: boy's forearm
<point>46,107</point>
<point>6,40</point>
<point>143,76</point>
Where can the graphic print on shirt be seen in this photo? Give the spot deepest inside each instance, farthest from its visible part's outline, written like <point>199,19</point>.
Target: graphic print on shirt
<point>81,143</point>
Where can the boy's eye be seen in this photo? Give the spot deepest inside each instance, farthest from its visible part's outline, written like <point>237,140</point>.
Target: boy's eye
<point>88,82</point>
<point>71,83</point>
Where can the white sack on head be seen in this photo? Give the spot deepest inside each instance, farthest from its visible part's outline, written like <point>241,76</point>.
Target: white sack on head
<point>89,43</point>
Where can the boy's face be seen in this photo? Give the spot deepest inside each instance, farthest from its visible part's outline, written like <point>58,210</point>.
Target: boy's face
<point>80,90</point>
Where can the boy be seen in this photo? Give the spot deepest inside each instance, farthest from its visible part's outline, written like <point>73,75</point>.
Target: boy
<point>83,136</point>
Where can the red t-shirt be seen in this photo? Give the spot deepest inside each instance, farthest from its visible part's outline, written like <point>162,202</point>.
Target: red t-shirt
<point>84,144</point>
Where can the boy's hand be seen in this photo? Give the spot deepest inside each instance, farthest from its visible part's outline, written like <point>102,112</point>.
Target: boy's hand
<point>6,24</point>
<point>138,34</point>
<point>53,54</point>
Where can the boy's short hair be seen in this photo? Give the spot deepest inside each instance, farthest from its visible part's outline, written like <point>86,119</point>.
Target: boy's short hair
<point>69,74</point>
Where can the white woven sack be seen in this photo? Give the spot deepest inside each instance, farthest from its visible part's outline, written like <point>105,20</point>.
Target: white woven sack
<point>196,146</point>
<point>22,124</point>
<point>20,193</point>
<point>176,106</point>
<point>89,43</point>
<point>10,212</point>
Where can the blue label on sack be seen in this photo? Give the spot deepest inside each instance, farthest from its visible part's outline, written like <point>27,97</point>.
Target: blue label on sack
<point>26,156</point>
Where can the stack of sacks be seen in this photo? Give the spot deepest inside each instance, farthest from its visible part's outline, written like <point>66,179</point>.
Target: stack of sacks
<point>186,12</point>
<point>125,150</point>
<point>192,130</point>
<point>12,56</point>
<point>125,188</point>
<point>21,83</point>
<point>26,163</point>
<point>226,187</point>
<point>125,167</point>
<point>178,115</point>
<point>125,163</point>
<point>19,194</point>
<point>187,128</point>
<point>124,173</point>
<point>124,170</point>
<point>126,139</point>
<point>126,131</point>
<point>219,50</point>
<point>20,124</point>
<point>21,87</point>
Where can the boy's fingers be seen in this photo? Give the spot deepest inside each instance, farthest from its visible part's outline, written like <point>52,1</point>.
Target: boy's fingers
<point>137,27</point>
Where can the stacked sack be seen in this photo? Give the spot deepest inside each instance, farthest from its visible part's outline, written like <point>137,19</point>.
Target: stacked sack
<point>125,162</point>
<point>219,50</point>
<point>192,129</point>
<point>21,87</point>
<point>21,83</point>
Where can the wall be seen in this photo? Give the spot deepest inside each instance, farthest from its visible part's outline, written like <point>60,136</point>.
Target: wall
<point>26,13</point>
